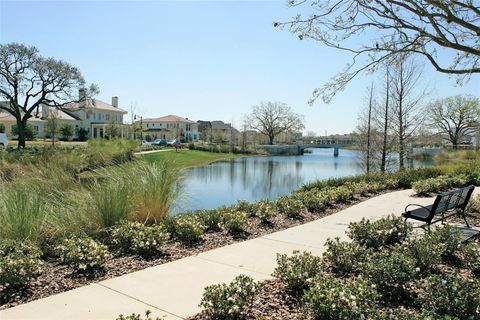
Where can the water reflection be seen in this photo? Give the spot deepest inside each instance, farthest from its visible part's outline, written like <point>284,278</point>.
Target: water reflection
<point>256,178</point>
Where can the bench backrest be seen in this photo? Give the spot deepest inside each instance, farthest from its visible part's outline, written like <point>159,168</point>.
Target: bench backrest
<point>456,199</point>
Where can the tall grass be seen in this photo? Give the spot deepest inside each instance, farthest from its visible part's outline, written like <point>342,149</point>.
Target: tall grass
<point>446,157</point>
<point>22,214</point>
<point>156,187</point>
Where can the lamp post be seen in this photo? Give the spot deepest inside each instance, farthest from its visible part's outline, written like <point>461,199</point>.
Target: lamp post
<point>135,117</point>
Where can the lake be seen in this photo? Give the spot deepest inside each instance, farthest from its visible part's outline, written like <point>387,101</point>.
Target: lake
<point>256,178</point>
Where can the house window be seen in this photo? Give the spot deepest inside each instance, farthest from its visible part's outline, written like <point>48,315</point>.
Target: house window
<point>108,117</point>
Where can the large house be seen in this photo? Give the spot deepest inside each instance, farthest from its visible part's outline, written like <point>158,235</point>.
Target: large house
<point>217,131</point>
<point>91,118</point>
<point>170,127</point>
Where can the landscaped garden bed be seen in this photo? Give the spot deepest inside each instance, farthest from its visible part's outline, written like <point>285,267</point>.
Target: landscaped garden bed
<point>385,272</point>
<point>64,231</point>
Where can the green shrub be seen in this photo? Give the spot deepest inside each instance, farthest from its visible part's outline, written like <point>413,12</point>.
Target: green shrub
<point>134,316</point>
<point>391,273</point>
<point>383,232</point>
<point>19,263</point>
<point>344,257</point>
<point>432,185</point>
<point>315,201</point>
<point>297,270</point>
<point>265,210</point>
<point>448,238</point>
<point>235,222</point>
<point>341,194</point>
<point>229,301</point>
<point>212,219</point>
<point>451,295</point>
<point>400,314</point>
<point>245,206</point>
<point>83,254</point>
<point>291,207</point>
<point>137,238</point>
<point>332,299</point>
<point>470,257</point>
<point>426,253</point>
<point>188,229</point>
<point>474,205</point>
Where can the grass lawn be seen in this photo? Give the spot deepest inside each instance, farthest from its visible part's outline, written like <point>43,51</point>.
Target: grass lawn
<point>189,158</point>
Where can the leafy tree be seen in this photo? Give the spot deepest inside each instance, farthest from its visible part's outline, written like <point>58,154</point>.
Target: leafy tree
<point>28,81</point>
<point>29,132</point>
<point>455,116</point>
<point>67,131</point>
<point>112,130</point>
<point>82,134</point>
<point>389,28</point>
<point>274,118</point>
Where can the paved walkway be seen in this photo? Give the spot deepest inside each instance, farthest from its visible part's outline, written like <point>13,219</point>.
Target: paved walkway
<point>173,290</point>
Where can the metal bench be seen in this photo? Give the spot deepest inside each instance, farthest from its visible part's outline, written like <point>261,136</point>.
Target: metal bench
<point>446,204</point>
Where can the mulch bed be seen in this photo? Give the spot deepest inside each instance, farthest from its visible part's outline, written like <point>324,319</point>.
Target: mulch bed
<point>56,278</point>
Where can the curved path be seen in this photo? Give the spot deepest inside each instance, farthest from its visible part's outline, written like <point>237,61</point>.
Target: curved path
<point>173,290</point>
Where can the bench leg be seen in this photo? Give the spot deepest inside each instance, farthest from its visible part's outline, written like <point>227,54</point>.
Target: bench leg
<point>465,218</point>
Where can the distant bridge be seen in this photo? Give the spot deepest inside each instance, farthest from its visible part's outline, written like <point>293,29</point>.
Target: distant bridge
<point>299,149</point>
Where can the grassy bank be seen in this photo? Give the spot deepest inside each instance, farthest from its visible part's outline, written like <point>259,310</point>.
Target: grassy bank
<point>188,158</point>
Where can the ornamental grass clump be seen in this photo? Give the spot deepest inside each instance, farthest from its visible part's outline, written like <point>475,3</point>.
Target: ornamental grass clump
<point>392,273</point>
<point>265,210</point>
<point>378,234</point>
<point>235,222</point>
<point>297,271</point>
<point>450,295</point>
<point>82,254</point>
<point>188,229</point>
<point>139,239</point>
<point>19,263</point>
<point>291,207</point>
<point>331,298</point>
<point>344,258</point>
<point>229,301</point>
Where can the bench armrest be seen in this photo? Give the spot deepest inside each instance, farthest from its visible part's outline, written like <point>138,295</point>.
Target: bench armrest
<point>417,205</point>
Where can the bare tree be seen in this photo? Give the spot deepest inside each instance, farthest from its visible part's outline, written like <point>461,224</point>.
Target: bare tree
<point>389,28</point>
<point>274,118</point>
<point>383,120</point>
<point>407,96</point>
<point>455,116</point>
<point>29,81</point>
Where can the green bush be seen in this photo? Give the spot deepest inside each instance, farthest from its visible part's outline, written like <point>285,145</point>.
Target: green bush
<point>291,207</point>
<point>235,222</point>
<point>383,232</point>
<point>474,205</point>
<point>297,270</point>
<point>19,263</point>
<point>212,219</point>
<point>448,238</point>
<point>315,201</point>
<point>344,258</point>
<point>401,314</point>
<point>451,295</point>
<point>265,210</point>
<point>245,206</point>
<point>341,194</point>
<point>83,254</point>
<point>470,257</point>
<point>432,185</point>
<point>134,316</point>
<point>391,273</point>
<point>426,253</point>
<point>189,229</point>
<point>332,299</point>
<point>229,301</point>
<point>137,238</point>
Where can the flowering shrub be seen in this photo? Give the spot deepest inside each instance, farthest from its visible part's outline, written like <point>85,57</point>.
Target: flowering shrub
<point>297,270</point>
<point>332,299</point>
<point>470,257</point>
<point>211,219</point>
<point>82,254</point>
<point>432,185</point>
<point>235,222</point>
<point>451,295</point>
<point>265,210</point>
<point>391,272</point>
<point>339,194</point>
<point>427,254</point>
<point>313,200</point>
<point>383,232</point>
<point>228,301</point>
<point>290,207</point>
<point>189,228</point>
<point>137,238</point>
<point>245,206</point>
<point>448,238</point>
<point>344,257</point>
<point>19,262</point>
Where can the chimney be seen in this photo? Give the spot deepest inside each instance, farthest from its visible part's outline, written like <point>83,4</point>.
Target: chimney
<point>115,102</point>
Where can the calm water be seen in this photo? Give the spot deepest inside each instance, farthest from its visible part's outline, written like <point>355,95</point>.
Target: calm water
<point>257,178</point>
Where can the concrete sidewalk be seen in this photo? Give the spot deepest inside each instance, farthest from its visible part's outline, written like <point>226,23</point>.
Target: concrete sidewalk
<point>173,290</point>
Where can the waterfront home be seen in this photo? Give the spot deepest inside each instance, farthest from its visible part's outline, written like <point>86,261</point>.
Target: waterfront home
<point>217,131</point>
<point>170,127</point>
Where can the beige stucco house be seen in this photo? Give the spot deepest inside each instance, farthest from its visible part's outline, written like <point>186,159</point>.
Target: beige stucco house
<point>170,127</point>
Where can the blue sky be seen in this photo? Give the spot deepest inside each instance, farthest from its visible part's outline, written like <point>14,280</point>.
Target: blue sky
<point>201,60</point>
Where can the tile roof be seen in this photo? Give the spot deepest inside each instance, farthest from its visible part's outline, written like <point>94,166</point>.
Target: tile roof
<point>169,118</point>
<point>93,104</point>
<point>60,115</point>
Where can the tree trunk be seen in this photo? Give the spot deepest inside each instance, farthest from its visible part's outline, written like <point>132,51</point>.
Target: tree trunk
<point>21,129</point>
<point>385,128</point>
<point>369,130</point>
<point>270,138</point>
